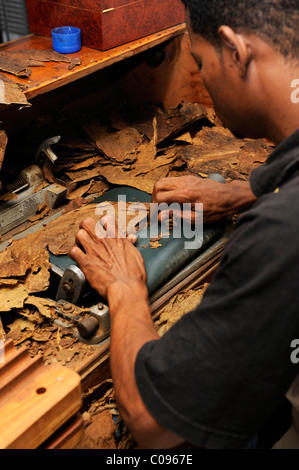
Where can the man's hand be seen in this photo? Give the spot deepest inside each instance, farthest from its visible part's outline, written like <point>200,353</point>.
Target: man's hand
<point>107,261</point>
<point>219,200</point>
<point>115,269</point>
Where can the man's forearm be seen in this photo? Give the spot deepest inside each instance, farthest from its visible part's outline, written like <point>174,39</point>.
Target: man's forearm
<point>241,197</point>
<point>219,200</point>
<point>232,198</point>
<point>131,328</point>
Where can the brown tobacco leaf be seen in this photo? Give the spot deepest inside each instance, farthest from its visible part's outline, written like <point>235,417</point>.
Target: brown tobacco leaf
<point>179,305</point>
<point>74,204</point>
<point>25,259</point>
<point>42,211</point>
<point>85,163</point>
<point>16,65</point>
<point>44,55</point>
<point>19,335</point>
<point>12,297</point>
<point>8,282</point>
<point>12,93</point>
<point>217,150</point>
<point>99,187</point>
<point>79,191</point>
<point>169,125</point>
<point>46,307</point>
<point>146,171</point>
<point>59,237</point>
<point>84,174</point>
<point>15,267</point>
<point>113,143</point>
<point>38,277</point>
<point>100,433</point>
<point>41,336</point>
<point>155,244</point>
<point>8,197</point>
<point>17,62</point>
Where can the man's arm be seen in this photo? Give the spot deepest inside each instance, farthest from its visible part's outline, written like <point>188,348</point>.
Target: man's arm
<point>115,269</point>
<point>219,200</point>
<point>131,328</point>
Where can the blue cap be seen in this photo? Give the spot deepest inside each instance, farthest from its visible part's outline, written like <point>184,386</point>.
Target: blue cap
<point>66,39</point>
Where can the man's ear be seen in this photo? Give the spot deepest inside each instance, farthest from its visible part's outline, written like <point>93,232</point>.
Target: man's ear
<point>237,43</point>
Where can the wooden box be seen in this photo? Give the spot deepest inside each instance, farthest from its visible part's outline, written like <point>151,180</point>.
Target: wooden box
<point>105,23</point>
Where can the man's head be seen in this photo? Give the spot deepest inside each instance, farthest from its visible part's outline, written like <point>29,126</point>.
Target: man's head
<point>274,21</point>
<point>248,50</point>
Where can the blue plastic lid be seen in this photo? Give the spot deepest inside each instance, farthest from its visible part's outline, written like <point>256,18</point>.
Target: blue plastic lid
<point>66,39</point>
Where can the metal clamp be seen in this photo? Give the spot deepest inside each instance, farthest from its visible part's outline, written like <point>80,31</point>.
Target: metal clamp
<point>90,326</point>
<point>71,285</point>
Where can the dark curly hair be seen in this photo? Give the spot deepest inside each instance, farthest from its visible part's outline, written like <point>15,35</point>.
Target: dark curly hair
<point>274,21</point>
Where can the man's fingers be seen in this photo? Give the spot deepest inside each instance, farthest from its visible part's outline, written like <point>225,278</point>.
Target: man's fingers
<point>107,227</point>
<point>83,239</point>
<point>88,225</point>
<point>132,238</point>
<point>76,254</point>
<point>166,184</point>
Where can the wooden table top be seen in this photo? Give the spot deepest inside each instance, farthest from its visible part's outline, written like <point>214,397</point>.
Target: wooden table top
<point>57,74</point>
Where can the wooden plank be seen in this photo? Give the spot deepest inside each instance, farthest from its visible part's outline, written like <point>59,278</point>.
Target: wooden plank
<point>35,399</point>
<point>68,436</point>
<point>55,75</point>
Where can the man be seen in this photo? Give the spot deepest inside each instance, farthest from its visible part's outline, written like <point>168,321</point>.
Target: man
<point>219,374</point>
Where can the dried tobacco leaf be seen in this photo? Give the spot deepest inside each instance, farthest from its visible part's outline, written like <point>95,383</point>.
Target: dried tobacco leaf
<point>16,65</point>
<point>217,150</point>
<point>113,143</point>
<point>12,297</point>
<point>84,174</point>
<point>79,191</point>
<point>146,171</point>
<point>38,277</point>
<point>16,267</point>
<point>179,305</point>
<point>100,433</point>
<point>46,307</point>
<point>44,55</point>
<point>11,92</point>
<point>17,62</point>
<point>169,124</point>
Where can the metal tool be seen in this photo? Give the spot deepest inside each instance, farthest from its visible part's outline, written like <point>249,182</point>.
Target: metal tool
<point>27,200</point>
<point>91,326</point>
<point>95,326</point>
<point>45,147</point>
<point>71,285</point>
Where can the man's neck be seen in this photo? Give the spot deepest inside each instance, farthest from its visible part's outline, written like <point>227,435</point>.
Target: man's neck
<point>281,101</point>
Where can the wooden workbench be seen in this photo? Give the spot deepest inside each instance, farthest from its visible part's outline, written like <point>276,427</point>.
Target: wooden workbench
<point>55,75</point>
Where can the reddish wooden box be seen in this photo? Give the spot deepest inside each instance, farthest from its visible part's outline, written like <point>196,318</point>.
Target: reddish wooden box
<point>105,23</point>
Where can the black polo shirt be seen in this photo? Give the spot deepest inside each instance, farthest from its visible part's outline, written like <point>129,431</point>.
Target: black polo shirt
<point>217,375</point>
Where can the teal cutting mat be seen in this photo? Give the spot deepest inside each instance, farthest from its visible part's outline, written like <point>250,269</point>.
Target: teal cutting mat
<point>161,263</point>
